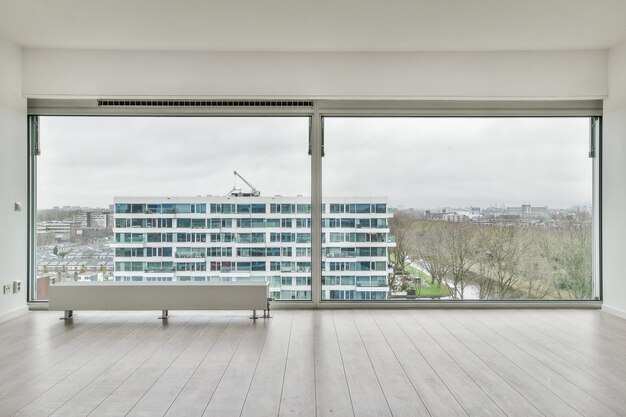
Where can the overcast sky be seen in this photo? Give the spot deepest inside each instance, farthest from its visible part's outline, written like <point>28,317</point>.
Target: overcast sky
<point>415,162</point>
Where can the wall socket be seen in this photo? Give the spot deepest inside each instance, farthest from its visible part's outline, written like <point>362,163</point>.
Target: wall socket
<point>17,286</point>
<point>7,289</point>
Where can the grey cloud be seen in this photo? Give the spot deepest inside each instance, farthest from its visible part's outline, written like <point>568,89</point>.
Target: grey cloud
<point>438,162</point>
<point>419,162</point>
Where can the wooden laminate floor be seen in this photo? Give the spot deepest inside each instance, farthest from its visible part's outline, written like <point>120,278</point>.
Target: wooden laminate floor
<point>529,363</point>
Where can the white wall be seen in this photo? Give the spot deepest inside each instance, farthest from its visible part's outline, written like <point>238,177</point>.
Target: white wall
<point>13,227</point>
<point>614,184</point>
<point>424,75</point>
<point>475,75</point>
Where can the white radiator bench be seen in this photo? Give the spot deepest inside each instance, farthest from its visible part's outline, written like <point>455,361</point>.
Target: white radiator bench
<point>165,296</point>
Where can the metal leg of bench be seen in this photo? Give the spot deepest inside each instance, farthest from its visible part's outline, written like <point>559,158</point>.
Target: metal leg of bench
<point>254,316</point>
<point>163,315</point>
<point>68,315</point>
<point>266,313</point>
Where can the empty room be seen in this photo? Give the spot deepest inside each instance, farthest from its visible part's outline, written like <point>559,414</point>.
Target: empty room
<point>298,208</point>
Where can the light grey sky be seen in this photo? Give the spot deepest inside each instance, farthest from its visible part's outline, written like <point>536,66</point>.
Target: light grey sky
<point>416,162</point>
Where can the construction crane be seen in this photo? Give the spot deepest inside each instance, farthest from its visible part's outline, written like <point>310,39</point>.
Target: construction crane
<point>236,192</point>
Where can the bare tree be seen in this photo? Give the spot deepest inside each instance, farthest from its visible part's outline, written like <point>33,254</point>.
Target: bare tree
<point>461,250</point>
<point>535,271</point>
<point>401,227</point>
<point>569,251</point>
<point>430,248</point>
<point>500,261</point>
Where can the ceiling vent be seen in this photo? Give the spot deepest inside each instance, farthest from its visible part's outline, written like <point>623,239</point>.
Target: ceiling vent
<point>204,103</point>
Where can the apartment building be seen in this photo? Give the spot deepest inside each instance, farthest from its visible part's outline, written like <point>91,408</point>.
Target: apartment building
<point>248,238</point>
<point>94,219</point>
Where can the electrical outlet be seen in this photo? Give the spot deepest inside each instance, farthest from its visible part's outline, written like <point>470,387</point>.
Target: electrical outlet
<point>17,286</point>
<point>7,289</point>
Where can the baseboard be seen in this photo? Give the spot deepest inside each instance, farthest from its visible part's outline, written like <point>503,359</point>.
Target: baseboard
<point>12,314</point>
<point>614,311</point>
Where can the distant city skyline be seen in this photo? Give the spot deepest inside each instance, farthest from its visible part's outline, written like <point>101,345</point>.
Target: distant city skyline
<point>420,163</point>
<point>491,206</point>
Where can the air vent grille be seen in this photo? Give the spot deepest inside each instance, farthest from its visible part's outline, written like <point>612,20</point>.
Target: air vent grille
<point>204,103</point>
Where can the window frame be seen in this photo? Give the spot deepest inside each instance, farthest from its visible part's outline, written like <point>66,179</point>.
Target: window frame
<point>316,112</point>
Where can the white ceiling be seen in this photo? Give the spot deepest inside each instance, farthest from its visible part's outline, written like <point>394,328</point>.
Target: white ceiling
<point>315,25</point>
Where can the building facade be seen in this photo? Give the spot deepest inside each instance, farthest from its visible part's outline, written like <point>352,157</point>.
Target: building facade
<point>94,219</point>
<point>244,238</point>
<point>97,219</point>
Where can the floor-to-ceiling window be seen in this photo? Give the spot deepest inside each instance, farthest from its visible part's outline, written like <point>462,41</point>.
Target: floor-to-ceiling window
<point>325,205</point>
